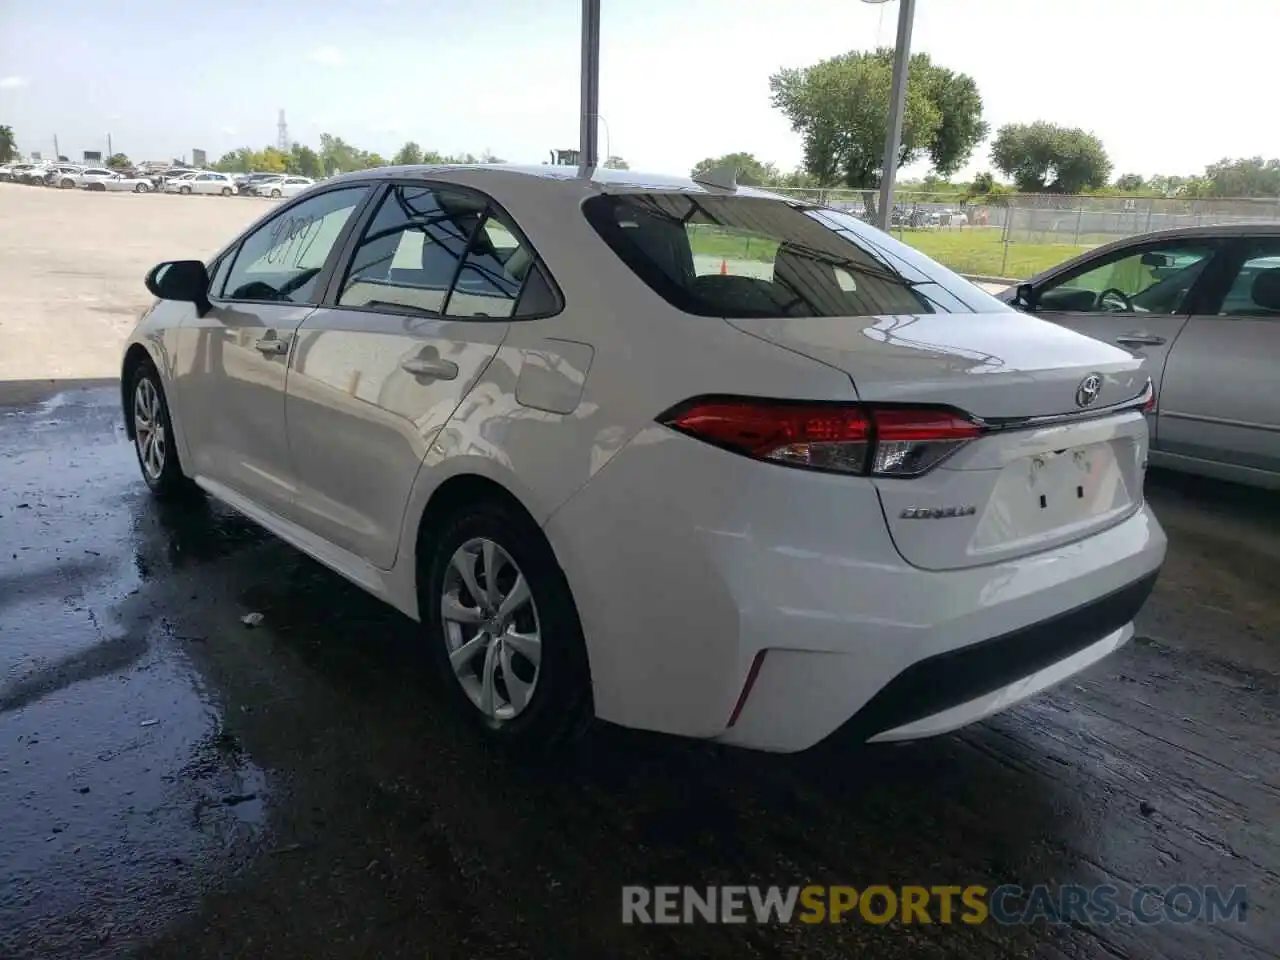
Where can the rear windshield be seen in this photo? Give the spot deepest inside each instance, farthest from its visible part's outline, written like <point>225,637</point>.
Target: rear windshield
<point>758,257</point>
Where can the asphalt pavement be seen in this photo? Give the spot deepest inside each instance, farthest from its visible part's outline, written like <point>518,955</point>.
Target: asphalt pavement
<point>176,783</point>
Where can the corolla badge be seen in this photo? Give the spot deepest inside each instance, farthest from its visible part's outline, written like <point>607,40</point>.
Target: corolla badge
<point>1088,390</point>
<point>937,513</point>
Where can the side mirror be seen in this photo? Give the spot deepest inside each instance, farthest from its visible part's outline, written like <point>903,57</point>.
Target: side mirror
<point>1026,296</point>
<point>185,280</point>
<point>1155,260</point>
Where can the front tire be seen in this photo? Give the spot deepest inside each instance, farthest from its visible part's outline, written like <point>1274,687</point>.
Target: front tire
<point>226,191</point>
<point>153,439</point>
<point>140,188</point>
<point>503,628</point>
<point>185,191</point>
<point>275,194</point>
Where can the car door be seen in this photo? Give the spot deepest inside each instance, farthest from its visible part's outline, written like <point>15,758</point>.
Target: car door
<point>1137,297</point>
<point>409,325</point>
<point>232,361</point>
<point>1220,408</point>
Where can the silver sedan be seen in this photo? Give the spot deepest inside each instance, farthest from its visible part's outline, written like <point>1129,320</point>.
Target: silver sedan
<point>1202,306</point>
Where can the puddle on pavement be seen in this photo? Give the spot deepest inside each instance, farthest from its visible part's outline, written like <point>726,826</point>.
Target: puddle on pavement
<point>123,798</point>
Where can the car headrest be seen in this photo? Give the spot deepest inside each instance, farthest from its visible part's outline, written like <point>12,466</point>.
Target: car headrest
<point>1266,289</point>
<point>518,263</point>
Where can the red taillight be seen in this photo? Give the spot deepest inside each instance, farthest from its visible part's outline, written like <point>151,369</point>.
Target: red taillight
<point>839,437</point>
<point>1149,398</point>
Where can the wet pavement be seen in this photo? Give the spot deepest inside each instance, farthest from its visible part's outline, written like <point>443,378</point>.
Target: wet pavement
<point>176,783</point>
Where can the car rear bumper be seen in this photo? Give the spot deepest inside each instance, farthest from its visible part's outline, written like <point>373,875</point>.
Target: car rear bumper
<point>695,570</point>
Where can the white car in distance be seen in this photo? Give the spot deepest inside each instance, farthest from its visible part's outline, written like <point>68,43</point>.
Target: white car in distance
<point>116,183</point>
<point>205,182</point>
<point>815,482</point>
<point>285,186</point>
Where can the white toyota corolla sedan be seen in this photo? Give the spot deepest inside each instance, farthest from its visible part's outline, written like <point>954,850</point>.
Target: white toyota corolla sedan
<point>677,455</point>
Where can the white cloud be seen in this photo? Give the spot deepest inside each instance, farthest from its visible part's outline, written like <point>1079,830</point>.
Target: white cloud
<point>328,56</point>
<point>13,83</point>
<point>229,131</point>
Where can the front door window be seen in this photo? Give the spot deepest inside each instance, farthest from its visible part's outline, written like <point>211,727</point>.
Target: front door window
<point>1150,280</point>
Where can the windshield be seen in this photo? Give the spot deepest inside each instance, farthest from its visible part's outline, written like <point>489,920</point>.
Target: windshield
<point>739,257</point>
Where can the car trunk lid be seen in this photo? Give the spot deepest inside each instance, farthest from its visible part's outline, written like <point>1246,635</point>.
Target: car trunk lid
<point>1064,448</point>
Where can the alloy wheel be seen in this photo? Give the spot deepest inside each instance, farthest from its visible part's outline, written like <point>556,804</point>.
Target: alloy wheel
<point>492,632</point>
<point>148,428</point>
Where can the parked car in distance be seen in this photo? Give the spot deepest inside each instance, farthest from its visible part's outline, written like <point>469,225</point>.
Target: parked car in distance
<point>54,173</point>
<point>173,173</point>
<point>614,472</point>
<point>1201,307</point>
<point>84,177</point>
<point>205,182</point>
<point>283,186</point>
<point>245,184</point>
<point>116,182</point>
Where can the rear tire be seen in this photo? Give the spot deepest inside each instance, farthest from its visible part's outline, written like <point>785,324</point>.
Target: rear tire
<point>185,191</point>
<point>140,188</point>
<point>226,191</point>
<point>153,439</point>
<point>527,683</point>
<point>275,194</point>
<point>67,185</point>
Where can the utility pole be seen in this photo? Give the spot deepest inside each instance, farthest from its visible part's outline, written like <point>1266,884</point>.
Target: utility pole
<point>56,152</point>
<point>588,135</point>
<point>897,107</point>
<point>110,152</point>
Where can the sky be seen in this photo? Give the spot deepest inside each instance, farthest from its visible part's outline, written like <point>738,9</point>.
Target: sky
<point>1164,83</point>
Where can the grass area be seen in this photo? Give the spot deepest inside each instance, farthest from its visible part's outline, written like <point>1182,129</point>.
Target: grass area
<point>977,250</point>
<point>980,251</point>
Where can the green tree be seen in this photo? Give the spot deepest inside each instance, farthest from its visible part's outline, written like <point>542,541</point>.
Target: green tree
<point>1042,157</point>
<point>751,171</point>
<point>118,161</point>
<point>407,155</point>
<point>840,108</point>
<point>490,157</point>
<point>1130,182</point>
<point>374,160</point>
<point>8,144</point>
<point>617,163</point>
<point>1246,177</point>
<point>338,155</point>
<point>236,161</point>
<point>305,162</point>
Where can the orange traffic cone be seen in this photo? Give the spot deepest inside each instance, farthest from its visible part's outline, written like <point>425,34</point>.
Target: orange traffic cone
<point>724,268</point>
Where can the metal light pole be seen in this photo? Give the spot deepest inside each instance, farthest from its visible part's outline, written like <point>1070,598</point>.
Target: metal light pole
<point>897,107</point>
<point>588,136</point>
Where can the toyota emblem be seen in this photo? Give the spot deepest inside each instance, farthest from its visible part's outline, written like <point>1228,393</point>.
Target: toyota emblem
<point>1088,390</point>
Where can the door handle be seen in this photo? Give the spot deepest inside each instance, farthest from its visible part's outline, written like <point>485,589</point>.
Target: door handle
<point>272,346</point>
<point>439,369</point>
<point>1139,340</point>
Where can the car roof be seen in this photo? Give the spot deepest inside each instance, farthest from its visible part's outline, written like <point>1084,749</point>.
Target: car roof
<point>598,180</point>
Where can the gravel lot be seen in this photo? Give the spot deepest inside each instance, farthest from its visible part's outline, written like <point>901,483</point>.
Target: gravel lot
<point>72,263</point>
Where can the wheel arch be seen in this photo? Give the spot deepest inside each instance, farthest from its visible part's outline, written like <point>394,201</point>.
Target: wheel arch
<point>134,357</point>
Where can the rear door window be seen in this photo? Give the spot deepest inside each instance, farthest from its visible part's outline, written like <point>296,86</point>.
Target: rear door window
<point>445,252</point>
<point>765,257</point>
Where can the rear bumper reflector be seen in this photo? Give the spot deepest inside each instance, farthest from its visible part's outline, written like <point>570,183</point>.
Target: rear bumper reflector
<point>752,673</point>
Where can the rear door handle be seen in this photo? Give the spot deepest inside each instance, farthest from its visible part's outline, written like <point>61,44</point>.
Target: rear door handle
<point>272,346</point>
<point>1139,340</point>
<point>439,369</point>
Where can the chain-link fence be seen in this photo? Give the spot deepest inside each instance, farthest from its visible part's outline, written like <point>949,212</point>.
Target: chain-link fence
<point>1017,235</point>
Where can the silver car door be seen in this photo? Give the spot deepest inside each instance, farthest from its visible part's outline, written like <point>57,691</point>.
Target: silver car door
<point>1138,297</point>
<point>1219,412</point>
